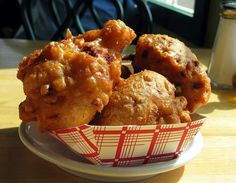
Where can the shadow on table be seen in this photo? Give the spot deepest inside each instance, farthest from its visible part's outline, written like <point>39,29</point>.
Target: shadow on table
<point>20,165</point>
<point>227,101</point>
<point>168,177</point>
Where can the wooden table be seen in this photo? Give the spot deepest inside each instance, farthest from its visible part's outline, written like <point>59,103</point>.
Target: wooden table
<point>215,163</point>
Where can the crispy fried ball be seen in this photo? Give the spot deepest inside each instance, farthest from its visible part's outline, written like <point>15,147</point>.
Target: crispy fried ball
<point>67,82</point>
<point>171,58</point>
<point>144,98</point>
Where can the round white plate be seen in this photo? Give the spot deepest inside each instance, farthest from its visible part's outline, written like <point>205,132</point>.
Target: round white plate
<point>48,148</point>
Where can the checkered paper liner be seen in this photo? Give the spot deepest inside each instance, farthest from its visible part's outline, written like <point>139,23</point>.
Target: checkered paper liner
<point>130,145</point>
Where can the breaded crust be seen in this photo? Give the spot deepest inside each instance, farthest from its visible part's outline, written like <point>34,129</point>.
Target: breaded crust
<point>67,82</point>
<point>144,98</point>
<point>173,59</point>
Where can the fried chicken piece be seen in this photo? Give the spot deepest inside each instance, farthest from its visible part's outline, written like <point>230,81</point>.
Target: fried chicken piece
<point>171,58</point>
<point>145,98</point>
<point>67,82</point>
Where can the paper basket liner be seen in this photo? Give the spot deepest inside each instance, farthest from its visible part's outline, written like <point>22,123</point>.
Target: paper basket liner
<point>130,145</point>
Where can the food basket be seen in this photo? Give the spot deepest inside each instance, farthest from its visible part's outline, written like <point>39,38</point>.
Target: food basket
<point>130,145</point>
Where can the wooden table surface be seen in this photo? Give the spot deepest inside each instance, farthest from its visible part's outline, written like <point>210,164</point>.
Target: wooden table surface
<point>215,163</point>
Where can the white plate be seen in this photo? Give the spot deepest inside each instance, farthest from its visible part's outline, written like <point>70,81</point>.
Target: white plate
<point>48,148</point>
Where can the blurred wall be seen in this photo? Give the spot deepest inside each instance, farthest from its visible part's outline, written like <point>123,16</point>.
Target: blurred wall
<point>212,22</point>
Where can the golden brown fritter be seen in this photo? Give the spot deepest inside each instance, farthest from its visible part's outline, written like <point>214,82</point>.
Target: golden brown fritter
<point>144,98</point>
<point>171,58</point>
<point>67,82</point>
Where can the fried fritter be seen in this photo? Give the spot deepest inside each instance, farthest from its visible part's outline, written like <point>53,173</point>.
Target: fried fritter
<point>67,82</point>
<point>144,98</point>
<point>171,58</point>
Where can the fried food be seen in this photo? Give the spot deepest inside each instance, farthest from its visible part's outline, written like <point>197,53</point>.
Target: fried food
<point>171,58</point>
<point>144,98</point>
<point>67,82</point>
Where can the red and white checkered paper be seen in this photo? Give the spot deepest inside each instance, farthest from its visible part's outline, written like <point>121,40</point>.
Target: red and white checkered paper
<point>130,145</point>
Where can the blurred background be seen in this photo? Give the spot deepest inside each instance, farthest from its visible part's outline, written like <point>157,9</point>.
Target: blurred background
<point>192,21</point>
